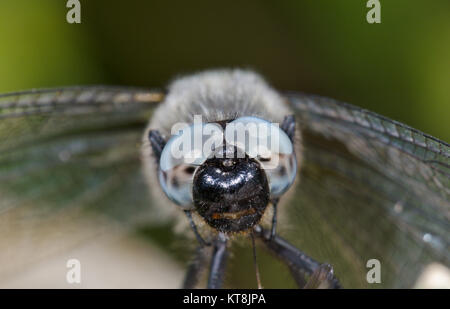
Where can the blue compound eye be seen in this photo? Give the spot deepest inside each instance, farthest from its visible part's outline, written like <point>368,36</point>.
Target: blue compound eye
<point>270,145</point>
<point>182,155</point>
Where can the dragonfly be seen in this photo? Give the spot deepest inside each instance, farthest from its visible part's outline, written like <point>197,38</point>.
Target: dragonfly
<point>369,187</point>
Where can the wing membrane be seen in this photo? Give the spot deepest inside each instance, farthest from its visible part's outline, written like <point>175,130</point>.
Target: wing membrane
<point>370,188</point>
<point>64,154</point>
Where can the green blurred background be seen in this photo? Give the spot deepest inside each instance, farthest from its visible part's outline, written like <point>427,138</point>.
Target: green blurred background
<point>399,68</point>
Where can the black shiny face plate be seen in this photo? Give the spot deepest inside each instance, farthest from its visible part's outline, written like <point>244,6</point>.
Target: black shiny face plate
<point>231,194</point>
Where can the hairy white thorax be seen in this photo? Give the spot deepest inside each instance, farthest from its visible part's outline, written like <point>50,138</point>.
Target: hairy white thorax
<point>216,95</point>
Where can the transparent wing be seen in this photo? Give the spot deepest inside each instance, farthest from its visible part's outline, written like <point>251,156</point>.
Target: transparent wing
<point>370,188</point>
<point>69,166</point>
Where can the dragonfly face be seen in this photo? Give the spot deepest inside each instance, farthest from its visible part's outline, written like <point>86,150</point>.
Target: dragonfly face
<point>369,187</point>
<point>231,196</point>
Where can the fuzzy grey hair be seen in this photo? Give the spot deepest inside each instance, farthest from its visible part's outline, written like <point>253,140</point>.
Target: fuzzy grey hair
<point>218,95</point>
<point>215,95</point>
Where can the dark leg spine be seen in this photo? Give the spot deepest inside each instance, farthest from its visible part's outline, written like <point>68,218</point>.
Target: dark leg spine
<point>299,263</point>
<point>218,262</point>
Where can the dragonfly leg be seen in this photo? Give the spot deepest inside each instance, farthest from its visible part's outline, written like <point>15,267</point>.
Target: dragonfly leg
<point>200,239</point>
<point>218,262</point>
<point>322,278</point>
<point>298,262</point>
<point>274,218</point>
<point>196,267</point>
